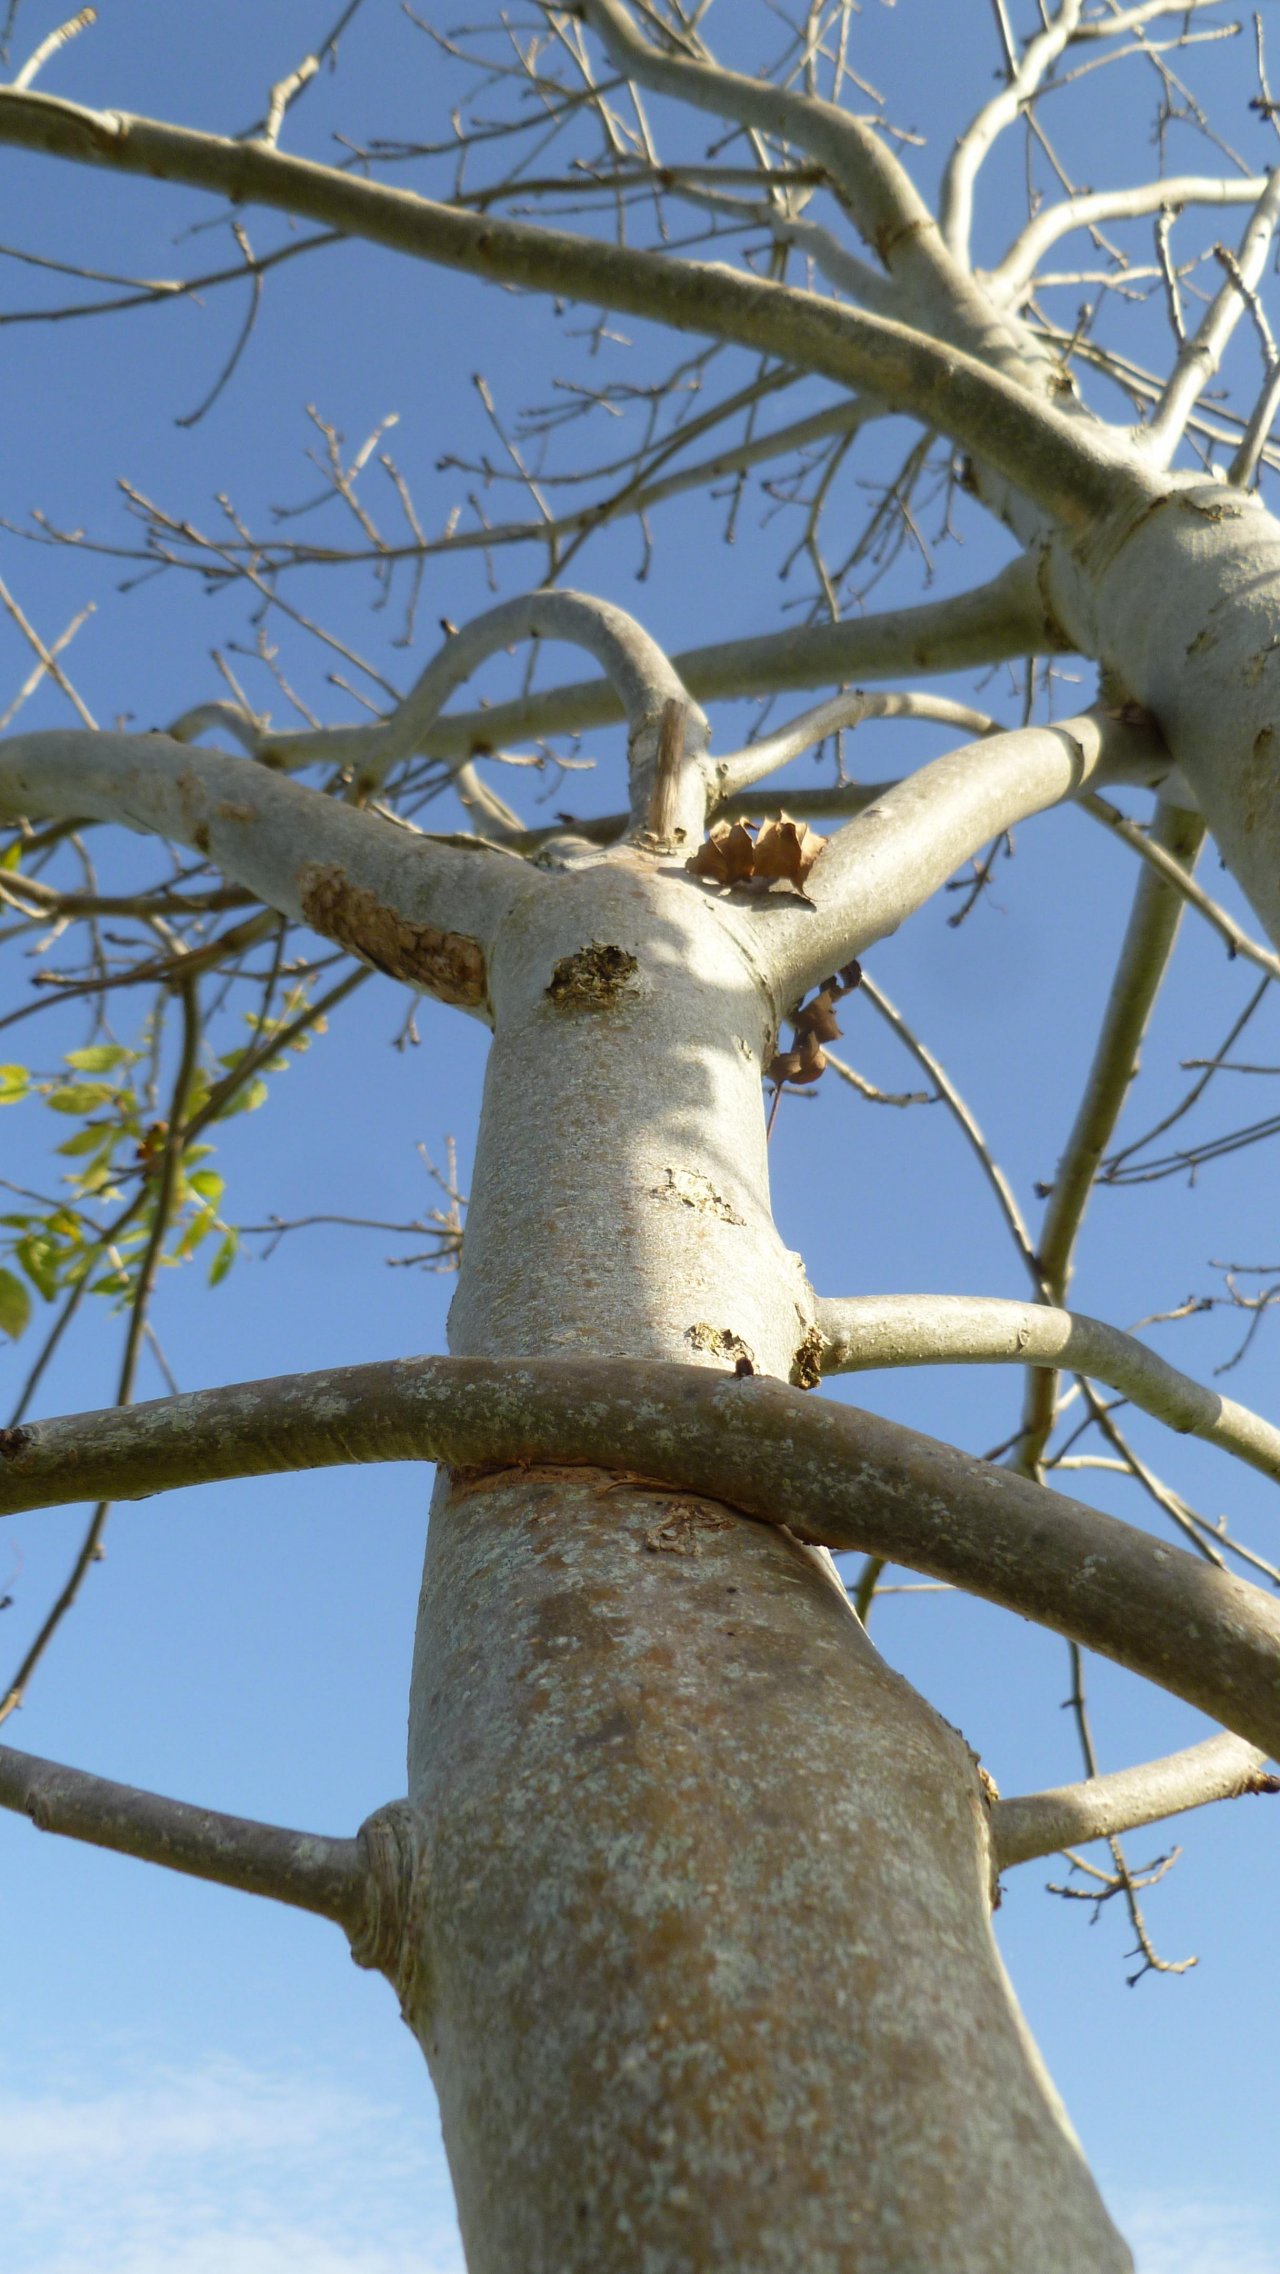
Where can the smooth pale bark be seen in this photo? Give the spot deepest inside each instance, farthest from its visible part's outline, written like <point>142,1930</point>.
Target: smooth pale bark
<point>416,907</point>
<point>1038,1823</point>
<point>711,1977</point>
<point>861,1332</point>
<point>1186,600</point>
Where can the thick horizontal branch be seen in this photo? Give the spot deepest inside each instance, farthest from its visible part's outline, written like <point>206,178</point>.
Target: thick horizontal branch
<point>1071,469</point>
<point>301,1868</point>
<point>994,623</point>
<point>837,1477</point>
<point>422,910</point>
<point>1042,1823</point>
<point>867,1331</point>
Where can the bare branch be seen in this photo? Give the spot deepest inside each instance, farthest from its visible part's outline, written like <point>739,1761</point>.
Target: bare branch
<point>643,680</point>
<point>1040,1823</point>
<point>1025,77</point>
<point>1200,356</point>
<point>956,1106</point>
<point>1073,470</point>
<point>885,864</point>
<point>1010,281</point>
<point>1239,942</point>
<point>740,768</point>
<point>867,1331</point>
<point>49,47</point>
<point>300,1868</point>
<point>989,624</point>
<point>411,905</point>
<point>1143,961</point>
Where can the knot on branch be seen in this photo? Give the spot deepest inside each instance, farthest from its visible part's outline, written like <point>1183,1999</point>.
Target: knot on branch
<point>387,1934</point>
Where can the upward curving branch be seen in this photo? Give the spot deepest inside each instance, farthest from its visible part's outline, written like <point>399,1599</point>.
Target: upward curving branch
<point>887,862</point>
<point>990,623</point>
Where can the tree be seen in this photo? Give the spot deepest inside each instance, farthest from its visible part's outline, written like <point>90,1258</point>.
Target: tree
<point>689,1901</point>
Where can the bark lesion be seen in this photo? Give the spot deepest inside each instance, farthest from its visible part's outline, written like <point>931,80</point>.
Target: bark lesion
<point>448,965</point>
<point>593,978</point>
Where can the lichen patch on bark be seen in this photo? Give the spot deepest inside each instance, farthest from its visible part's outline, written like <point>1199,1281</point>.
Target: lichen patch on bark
<point>449,965</point>
<point>806,1367</point>
<point>593,978</point>
<point>721,1341</point>
<point>688,1188</point>
<point>678,1532</point>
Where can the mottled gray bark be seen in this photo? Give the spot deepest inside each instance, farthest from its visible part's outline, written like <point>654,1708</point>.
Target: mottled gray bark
<point>706,1978</point>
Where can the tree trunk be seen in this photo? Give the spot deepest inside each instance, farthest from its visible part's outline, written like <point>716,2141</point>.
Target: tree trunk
<point>633,1711</point>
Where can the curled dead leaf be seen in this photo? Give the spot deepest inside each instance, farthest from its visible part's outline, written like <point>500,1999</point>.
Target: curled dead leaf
<point>783,852</point>
<point>819,1018</point>
<point>798,1066</point>
<point>727,856</point>
<point>787,850</point>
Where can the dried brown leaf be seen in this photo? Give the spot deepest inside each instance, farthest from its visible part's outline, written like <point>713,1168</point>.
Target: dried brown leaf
<point>787,850</point>
<point>727,856</point>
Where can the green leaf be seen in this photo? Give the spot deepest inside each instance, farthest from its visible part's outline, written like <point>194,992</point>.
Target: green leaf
<point>11,857</point>
<point>39,1259</point>
<point>197,1230</point>
<point>247,1100</point>
<point>209,1185</point>
<point>98,1057</point>
<point>15,1081</point>
<point>224,1256</point>
<point>95,1134</point>
<point>114,1283</point>
<point>15,1305</point>
<point>81,1097</point>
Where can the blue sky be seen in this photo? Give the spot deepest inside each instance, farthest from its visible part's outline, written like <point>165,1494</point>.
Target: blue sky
<point>192,2080</point>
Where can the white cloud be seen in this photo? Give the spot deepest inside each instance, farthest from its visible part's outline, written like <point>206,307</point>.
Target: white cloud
<point>1182,2235</point>
<point>220,2169</point>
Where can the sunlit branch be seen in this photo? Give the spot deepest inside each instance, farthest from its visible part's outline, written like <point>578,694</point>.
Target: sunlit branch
<point>49,47</point>
<point>1040,1823</point>
<point>1071,469</point>
<point>1200,356</point>
<point>887,862</point>
<point>1026,76</point>
<point>862,1332</point>
<point>287,90</point>
<point>1009,281</point>
<point>887,208</point>
<point>46,657</point>
<point>1143,961</point>
<point>740,768</point>
<point>642,678</point>
<point>838,1478</point>
<point>412,905</point>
